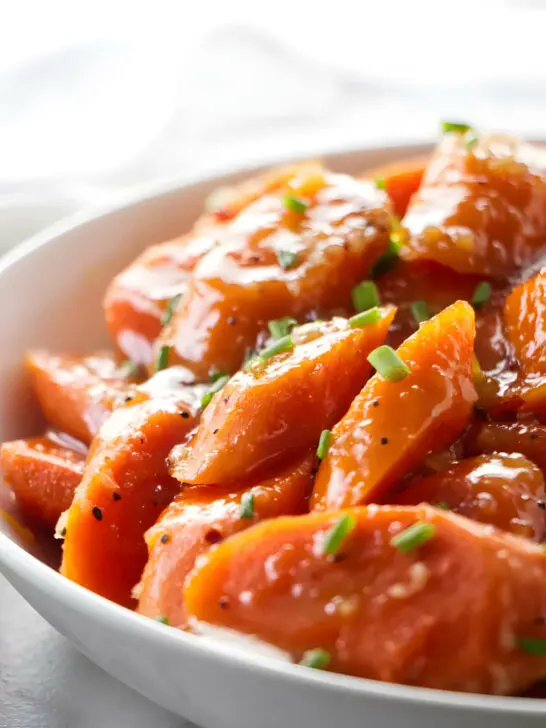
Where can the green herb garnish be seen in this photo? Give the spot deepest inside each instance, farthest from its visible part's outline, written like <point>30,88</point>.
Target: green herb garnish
<point>285,343</point>
<point>420,312</point>
<point>389,258</point>
<point>162,620</point>
<point>335,536</point>
<point>281,327</point>
<point>455,126</point>
<point>443,506</point>
<point>386,361</point>
<point>372,316</point>
<point>481,295</point>
<point>318,659</point>
<point>247,505</point>
<point>295,204</point>
<point>162,358</point>
<point>413,537</point>
<point>287,259</point>
<point>380,183</point>
<point>365,296</point>
<point>324,444</point>
<point>532,645</point>
<point>129,369</point>
<point>216,385</point>
<point>167,314</point>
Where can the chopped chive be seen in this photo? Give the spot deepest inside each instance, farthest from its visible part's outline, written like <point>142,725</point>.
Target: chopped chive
<point>389,258</point>
<point>247,505</point>
<point>295,204</point>
<point>413,537</point>
<point>419,311</point>
<point>532,645</point>
<point>324,444</point>
<point>317,659</point>
<point>443,506</point>
<point>380,183</point>
<point>167,314</point>
<point>365,296</point>
<point>217,374</point>
<point>162,358</point>
<point>129,369</point>
<point>285,343</point>
<point>217,384</point>
<point>287,259</point>
<point>335,536</point>
<point>372,316</point>
<point>470,140</point>
<point>281,327</point>
<point>386,361</point>
<point>448,126</point>
<point>162,620</point>
<point>482,294</point>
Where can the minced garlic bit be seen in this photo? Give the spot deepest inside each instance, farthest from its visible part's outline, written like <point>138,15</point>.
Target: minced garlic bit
<point>419,575</point>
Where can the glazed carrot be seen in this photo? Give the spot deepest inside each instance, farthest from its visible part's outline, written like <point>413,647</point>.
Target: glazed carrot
<point>77,393</point>
<point>203,516</point>
<point>43,475</point>
<point>392,425</point>
<point>276,410</point>
<point>383,602</point>
<point>138,299</point>
<point>293,253</point>
<point>504,490</point>
<point>481,207</point>
<point>401,180</point>
<point>125,487</point>
<point>529,439</point>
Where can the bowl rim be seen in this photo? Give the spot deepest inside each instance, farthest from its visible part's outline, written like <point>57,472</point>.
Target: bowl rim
<point>16,559</point>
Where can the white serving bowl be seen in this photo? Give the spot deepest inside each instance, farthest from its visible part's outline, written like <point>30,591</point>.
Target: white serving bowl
<point>51,289</point>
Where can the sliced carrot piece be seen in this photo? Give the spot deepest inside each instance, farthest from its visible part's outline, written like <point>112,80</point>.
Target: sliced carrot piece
<point>43,475</point>
<point>203,516</point>
<point>391,426</point>
<point>378,610</point>
<point>77,393</point>
<point>504,490</point>
<point>125,487</point>
<point>402,180</point>
<point>481,207</point>
<point>263,417</point>
<point>291,253</point>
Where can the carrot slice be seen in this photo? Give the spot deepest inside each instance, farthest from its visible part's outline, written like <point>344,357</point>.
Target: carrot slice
<point>124,488</point>
<point>43,475</point>
<point>391,426</point>
<point>504,490</point>
<point>203,516</point>
<point>263,417</point>
<point>77,394</point>
<point>291,253</point>
<point>402,180</point>
<point>481,207</point>
<point>378,610</point>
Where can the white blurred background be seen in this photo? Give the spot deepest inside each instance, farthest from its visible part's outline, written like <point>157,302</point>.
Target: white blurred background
<point>97,99</point>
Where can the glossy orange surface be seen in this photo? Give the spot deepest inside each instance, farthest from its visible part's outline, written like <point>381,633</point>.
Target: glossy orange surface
<point>244,282</point>
<point>43,475</point>
<point>380,613</point>
<point>77,393</point>
<point>402,180</point>
<point>481,207</point>
<point>391,426</point>
<point>506,491</point>
<point>265,416</point>
<point>202,517</point>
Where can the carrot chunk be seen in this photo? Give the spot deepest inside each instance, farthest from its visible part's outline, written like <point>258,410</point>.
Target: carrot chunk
<point>401,180</point>
<point>392,425</point>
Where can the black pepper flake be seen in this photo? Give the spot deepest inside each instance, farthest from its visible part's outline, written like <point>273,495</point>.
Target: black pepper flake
<point>375,403</point>
<point>533,436</point>
<point>384,441</point>
<point>213,536</point>
<point>232,320</point>
<point>541,504</point>
<point>339,557</point>
<point>63,533</point>
<point>128,398</point>
<point>141,440</point>
<point>97,513</point>
<point>226,400</point>
<point>215,431</point>
<point>184,415</point>
<point>155,503</point>
<point>165,538</point>
<point>254,258</point>
<point>223,603</point>
<point>116,496</point>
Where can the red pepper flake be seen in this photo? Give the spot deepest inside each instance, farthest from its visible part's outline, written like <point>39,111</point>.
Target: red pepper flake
<point>97,513</point>
<point>213,536</point>
<point>116,496</point>
<point>165,538</point>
